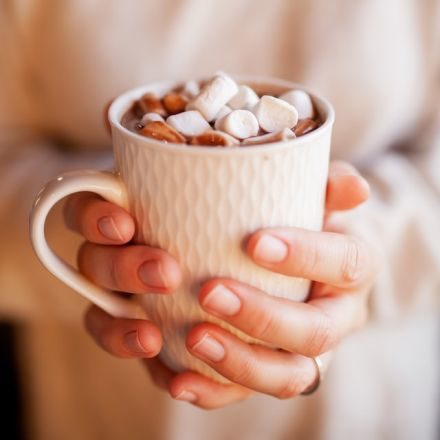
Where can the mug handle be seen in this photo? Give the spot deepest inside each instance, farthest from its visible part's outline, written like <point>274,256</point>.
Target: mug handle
<point>110,187</point>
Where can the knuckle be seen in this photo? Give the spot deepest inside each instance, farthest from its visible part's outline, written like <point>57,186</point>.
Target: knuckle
<point>106,339</point>
<point>110,340</point>
<point>264,325</point>
<point>353,261</point>
<point>310,257</point>
<point>322,337</point>
<point>294,386</point>
<point>79,210</point>
<point>114,270</point>
<point>87,219</point>
<point>245,373</point>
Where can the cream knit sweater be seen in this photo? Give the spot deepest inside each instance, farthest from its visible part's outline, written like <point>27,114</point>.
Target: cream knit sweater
<point>378,62</point>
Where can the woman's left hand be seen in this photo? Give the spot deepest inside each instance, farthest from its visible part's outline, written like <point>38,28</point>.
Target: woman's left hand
<point>342,268</point>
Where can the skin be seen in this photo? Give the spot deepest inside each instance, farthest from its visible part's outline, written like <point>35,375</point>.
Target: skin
<point>341,267</point>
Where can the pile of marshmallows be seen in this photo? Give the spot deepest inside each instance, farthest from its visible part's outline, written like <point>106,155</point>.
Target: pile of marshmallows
<point>223,113</point>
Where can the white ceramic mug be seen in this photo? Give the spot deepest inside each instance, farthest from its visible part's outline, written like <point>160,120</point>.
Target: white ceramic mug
<point>198,204</point>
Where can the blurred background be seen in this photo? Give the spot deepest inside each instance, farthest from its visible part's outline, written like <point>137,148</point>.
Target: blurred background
<point>377,62</point>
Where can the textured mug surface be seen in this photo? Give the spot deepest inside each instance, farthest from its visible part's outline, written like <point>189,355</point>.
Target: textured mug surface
<point>200,204</point>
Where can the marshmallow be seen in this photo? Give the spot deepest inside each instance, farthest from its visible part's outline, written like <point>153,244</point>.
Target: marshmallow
<point>191,88</point>
<point>301,101</point>
<point>245,99</point>
<point>221,114</point>
<point>239,123</point>
<point>174,102</point>
<point>190,123</point>
<point>305,125</point>
<point>161,131</point>
<point>148,117</point>
<point>274,114</point>
<point>213,96</point>
<point>213,138</point>
<point>277,136</point>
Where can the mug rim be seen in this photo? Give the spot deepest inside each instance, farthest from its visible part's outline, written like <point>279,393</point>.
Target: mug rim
<point>124,101</point>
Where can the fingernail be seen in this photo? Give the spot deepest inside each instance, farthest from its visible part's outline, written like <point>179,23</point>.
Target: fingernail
<point>222,300</point>
<point>107,227</point>
<point>209,348</point>
<point>131,342</point>
<point>152,275</point>
<point>270,249</point>
<point>187,396</point>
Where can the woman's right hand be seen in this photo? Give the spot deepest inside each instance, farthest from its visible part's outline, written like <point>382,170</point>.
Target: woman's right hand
<point>109,260</point>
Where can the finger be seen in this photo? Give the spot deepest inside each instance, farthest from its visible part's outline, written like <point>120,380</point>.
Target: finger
<point>335,259</point>
<point>204,392</point>
<point>159,373</point>
<point>132,268</point>
<point>194,388</point>
<point>125,338</point>
<point>97,220</point>
<point>308,328</point>
<point>346,188</point>
<point>262,369</point>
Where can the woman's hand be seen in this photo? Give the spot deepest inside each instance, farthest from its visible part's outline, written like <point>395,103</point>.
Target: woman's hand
<point>342,268</point>
<point>107,260</point>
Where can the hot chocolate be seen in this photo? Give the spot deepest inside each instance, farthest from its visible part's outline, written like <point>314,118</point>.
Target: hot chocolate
<point>221,113</point>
